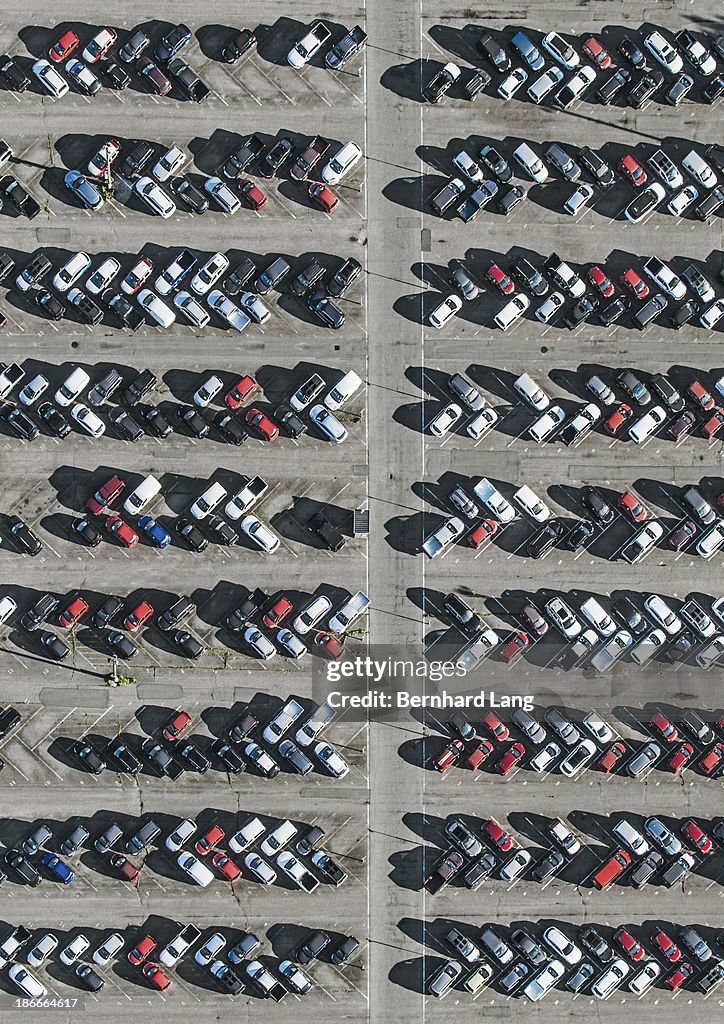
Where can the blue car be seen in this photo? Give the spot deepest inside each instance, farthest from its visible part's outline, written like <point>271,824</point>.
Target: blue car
<point>153,529</point>
<point>87,193</point>
<point>173,42</point>
<point>530,53</point>
<point>56,866</point>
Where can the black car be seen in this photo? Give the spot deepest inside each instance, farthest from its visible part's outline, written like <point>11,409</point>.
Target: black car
<point>312,948</point>
<point>548,867</point>
<point>7,265</point>
<point>608,91</point>
<point>633,53</point>
<point>88,756</point>
<point>116,75</point>
<point>345,950</point>
<point>342,278</point>
<point>478,80</point>
<point>507,200</point>
<point>90,977</point>
<point>155,419</point>
<point>461,614</point>
<point>9,718</point>
<point>287,418</point>
<point>496,164</point>
<point>88,310</point>
<point>307,278</point>
<point>121,645</point>
<point>666,391</point>
<point>633,387</point>
<point>597,506</point>
<point>24,536</point>
<point>228,755</point>
<point>127,427</point>
<point>125,757</point>
<point>173,42</point>
<point>230,428</point>
<point>326,310</point>
<point>19,197</point>
<point>191,534</point>
<point>221,532</point>
<point>524,271</point>
<point>191,196</point>
<point>279,153</point>
<point>630,616</point>
<point>529,947</point>
<point>614,310</point>
<point>22,867</point>
<point>681,647</point>
<point>645,88</point>
<point>87,531</point>
<point>243,728</point>
<point>597,167</point>
<point>580,312</point>
<point>714,90</point>
<point>107,611</point>
<point>139,386</point>
<point>239,277</point>
<point>243,157</point>
<point>248,609</point>
<point>48,304</point>
<point>130,316</point>
<point>237,46</point>
<point>680,317</point>
<point>175,614</point>
<point>53,645</point>
<point>13,75</point>
<point>193,421</point>
<point>580,534</point>
<point>595,943</point>
<point>544,539</point>
<point>22,424</point>
<point>228,979</point>
<point>494,51</point>
<point>164,762</point>
<point>195,758</point>
<point>438,85</point>
<point>683,84</point>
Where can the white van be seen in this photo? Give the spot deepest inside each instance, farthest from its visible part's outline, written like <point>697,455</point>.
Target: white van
<point>156,308</point>
<point>207,501</point>
<point>74,384</point>
<point>598,617</point>
<point>531,393</point>
<point>530,162</point>
<point>341,163</point>
<point>248,834</point>
<point>140,497</point>
<point>647,425</point>
<point>343,390</point>
<point>512,312</point>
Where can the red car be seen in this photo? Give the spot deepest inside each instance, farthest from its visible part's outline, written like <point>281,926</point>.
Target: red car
<point>493,724</point>
<point>677,977</point>
<point>682,535</point>
<point>631,945</point>
<point>241,392</point>
<point>262,424</point>
<point>178,724</point>
<point>252,193</point>
<point>510,759</point>
<point>73,613</point>
<point>323,197</point>
<point>667,946</point>
<point>140,615</point>
<point>480,755</point>
<point>697,836</point>
<point>631,280</point>
<point>500,279</point>
<point>700,396</point>
<point>517,643</point>
<point>141,950</point>
<point>597,53</point>
<point>158,978</point>
<point>482,532</point>
<point>64,47</point>
<point>711,762</point>
<point>682,757</point>
<point>105,495</point>
<point>156,81</point>
<point>632,507</point>
<point>614,422</point>
<point>633,170</point>
<point>500,839</point>
<point>137,275</point>
<point>449,756</point>
<point>226,866</point>
<point>329,645</point>
<point>124,533</point>
<point>124,867</point>
<point>612,756</point>
<point>681,425</point>
<point>278,612</point>
<point>665,727</point>
<point>600,282</point>
<point>713,425</point>
<point>205,844</point>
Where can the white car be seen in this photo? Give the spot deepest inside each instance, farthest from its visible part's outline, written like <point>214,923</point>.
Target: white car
<point>71,271</point>
<point>614,647</point>
<point>260,869</point>
<point>259,643</point>
<point>137,275</point>
<point>228,311</point>
<point>332,761</point>
<point>610,979</point>
<point>312,613</point>
<point>573,90</point>
<point>349,612</point>
<point>545,757</point>
<point>544,980</point>
<point>256,309</point>
<point>209,273</point>
<point>260,534</point>
<point>711,541</point>
<point>663,52</point>
<point>479,425</point>
<point>169,164</point>
<point>27,982</point>
<point>328,423</point>
<point>550,307</point>
<point>156,308</point>
<point>515,865</point>
<point>8,607</point>
<point>642,542</point>
<point>181,834</point>
<point>34,389</point>
<point>575,761</point>
<point>294,977</point>
<point>494,500</point>
<point>585,643</point>
<point>468,167</point>
<point>661,613</point>
<point>580,198</point>
<point>511,312</point>
<point>83,77</point>
<point>648,646</point>
<point>191,309</point>
<point>102,277</point>
<point>50,79</point>
<point>291,643</point>
<point>88,420</point>
<point>99,45</point>
<point>480,648</point>
<point>207,501</point>
<point>210,949</point>
<point>154,197</point>
<point>711,316</point>
<point>635,213</point>
<point>445,420</point>
<point>294,869</point>
<point>561,51</point>
<point>542,428</point>
<point>710,653</point>
<point>341,163</point>
<point>222,195</point>
<point>645,978</point>
<point>446,310</point>
<point>683,200</point>
<point>562,945</point>
<point>42,949</point>
<point>563,617</point>
<point>109,949</point>
<point>532,504</point>
<point>204,395</point>
<point>600,731</point>
<point>75,948</point>
<point>642,428</point>
<point>195,869</point>
<point>512,82</point>
<point>545,84</point>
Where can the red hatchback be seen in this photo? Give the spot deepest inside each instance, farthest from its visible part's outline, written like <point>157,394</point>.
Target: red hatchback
<point>664,726</point>
<point>483,532</point>
<point>633,170</point>
<point>73,613</point>
<point>323,197</point>
<point>278,612</point>
<point>158,978</point>
<point>711,762</point>
<point>700,396</point>
<point>480,755</point>
<point>241,392</point>
<point>448,756</point>
<point>614,422</point>
<point>178,724</point>
<point>682,757</point>
<point>600,282</point>
<point>251,192</point>
<point>262,424</point>
<point>631,280</point>
<point>632,507</point>
<point>138,617</point>
<point>510,759</point>
<point>500,839</point>
<point>494,726</point>
<point>697,836</point>
<point>124,533</point>
<point>631,945</point>
<point>667,946</point>
<point>597,53</point>
<point>64,47</point>
<point>612,756</point>
<point>141,950</point>
<point>677,977</point>
<point>329,645</point>
<point>500,279</point>
<point>517,643</point>
<point>105,495</point>
<point>206,843</point>
<point>226,866</point>
<point>713,425</point>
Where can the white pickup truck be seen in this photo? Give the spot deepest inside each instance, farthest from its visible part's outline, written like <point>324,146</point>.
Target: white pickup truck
<point>494,501</point>
<point>303,51</point>
<point>450,530</point>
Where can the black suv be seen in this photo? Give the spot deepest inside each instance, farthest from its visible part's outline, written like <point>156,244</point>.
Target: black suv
<point>139,387</point>
<point>239,277</point>
<point>277,155</point>
<point>666,391</point>
<point>629,614</point>
<point>137,160</point>
<point>613,85</point>
<point>21,200</point>
<point>644,89</point>
<point>495,53</point>
<point>243,157</point>
<point>13,75</point>
<point>544,539</point>
<point>343,278</point>
<point>597,506</point>
<point>633,387</point>
<point>307,278</point>
<point>596,167</point>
